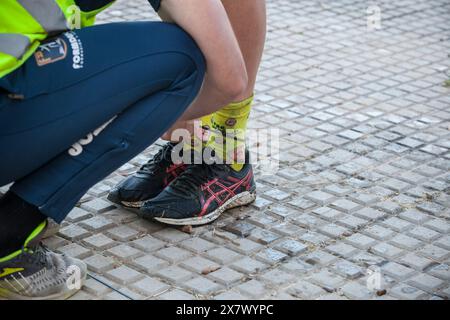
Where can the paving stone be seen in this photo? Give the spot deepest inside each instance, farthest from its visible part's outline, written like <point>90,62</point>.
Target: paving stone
<point>202,285</point>
<point>328,213</point>
<point>314,238</point>
<point>388,206</point>
<point>271,256</point>
<point>414,216</point>
<point>124,252</point>
<point>148,244</point>
<point>263,236</point>
<point>171,235</point>
<point>73,232</point>
<point>434,252</point>
<point>99,242</point>
<point>99,263</point>
<point>95,288</point>
<point>378,232</point>
<point>124,275</point>
<point>356,291</point>
<point>405,242</point>
<point>96,224</point>
<point>360,241</point>
<point>438,225</point>
<point>149,264</point>
<point>199,264</point>
<point>291,247</point>
<point>352,222</point>
<point>320,257</point>
<point>426,282</point>
<point>309,221</point>
<point>287,229</point>
<point>245,246</point>
<point>81,295</point>
<point>342,249</point>
<point>225,276</point>
<point>253,288</point>
<point>386,250</point>
<point>415,261</point>
<point>222,255</point>
<point>78,214</point>
<point>173,254</point>
<point>75,250</point>
<point>333,230</point>
<point>240,228</point>
<point>248,265</point>
<point>176,294</point>
<point>424,234</point>
<point>397,224</point>
<point>397,270</point>
<point>123,233</point>
<point>407,292</point>
<point>302,203</point>
<point>277,194</point>
<point>175,274</point>
<point>370,213</point>
<point>276,278</point>
<point>230,295</point>
<point>327,280</point>
<point>150,287</point>
<point>97,205</point>
<point>441,271</point>
<point>345,205</point>
<point>443,242</point>
<point>305,290</point>
<point>347,269</point>
<point>320,197</point>
<point>114,295</point>
<point>120,216</point>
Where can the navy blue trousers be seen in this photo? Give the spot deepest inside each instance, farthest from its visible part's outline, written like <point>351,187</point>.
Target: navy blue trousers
<point>87,102</point>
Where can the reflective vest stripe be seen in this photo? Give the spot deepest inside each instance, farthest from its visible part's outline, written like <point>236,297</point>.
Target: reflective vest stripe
<point>14,44</point>
<point>47,13</point>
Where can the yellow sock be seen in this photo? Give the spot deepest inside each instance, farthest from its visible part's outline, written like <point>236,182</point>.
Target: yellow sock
<point>228,136</point>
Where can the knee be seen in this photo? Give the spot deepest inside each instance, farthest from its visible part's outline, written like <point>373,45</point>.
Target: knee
<point>232,85</point>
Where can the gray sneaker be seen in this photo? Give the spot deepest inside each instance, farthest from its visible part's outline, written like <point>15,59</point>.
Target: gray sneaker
<point>52,229</point>
<point>37,273</point>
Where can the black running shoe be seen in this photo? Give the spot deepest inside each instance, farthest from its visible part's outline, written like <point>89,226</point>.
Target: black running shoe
<point>148,181</point>
<point>201,194</point>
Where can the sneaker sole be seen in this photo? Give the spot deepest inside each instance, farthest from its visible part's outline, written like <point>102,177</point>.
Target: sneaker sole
<point>132,206</point>
<point>241,199</point>
<point>57,296</point>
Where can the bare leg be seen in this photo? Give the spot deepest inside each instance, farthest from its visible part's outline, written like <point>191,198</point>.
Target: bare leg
<point>248,19</point>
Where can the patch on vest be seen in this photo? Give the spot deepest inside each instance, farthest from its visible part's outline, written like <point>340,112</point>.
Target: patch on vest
<point>51,52</point>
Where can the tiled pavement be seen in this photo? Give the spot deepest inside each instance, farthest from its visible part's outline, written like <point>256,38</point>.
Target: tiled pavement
<point>364,179</point>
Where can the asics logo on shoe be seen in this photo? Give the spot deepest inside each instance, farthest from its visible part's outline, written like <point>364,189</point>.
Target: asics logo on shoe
<point>77,148</point>
<point>10,271</point>
<point>172,172</point>
<point>216,190</point>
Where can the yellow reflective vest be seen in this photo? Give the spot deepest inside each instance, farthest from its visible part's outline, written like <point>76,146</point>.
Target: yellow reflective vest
<point>24,24</point>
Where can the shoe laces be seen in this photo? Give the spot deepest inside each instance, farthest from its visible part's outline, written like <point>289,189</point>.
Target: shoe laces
<point>39,255</point>
<point>156,162</point>
<point>193,178</point>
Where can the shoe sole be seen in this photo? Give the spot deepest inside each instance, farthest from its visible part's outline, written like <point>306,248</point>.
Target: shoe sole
<point>241,199</point>
<point>57,296</point>
<point>132,206</point>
